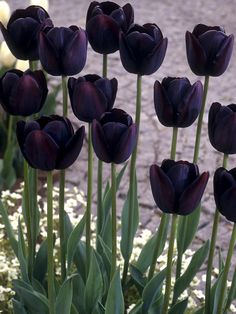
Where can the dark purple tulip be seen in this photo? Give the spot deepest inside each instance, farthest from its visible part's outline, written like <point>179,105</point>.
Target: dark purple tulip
<point>104,22</point>
<point>63,50</point>
<point>114,136</point>
<point>23,93</point>
<point>49,142</point>
<point>177,102</point>
<point>177,186</point>
<point>142,49</point>
<point>91,96</point>
<point>222,127</point>
<point>22,32</point>
<point>225,192</point>
<point>209,50</point>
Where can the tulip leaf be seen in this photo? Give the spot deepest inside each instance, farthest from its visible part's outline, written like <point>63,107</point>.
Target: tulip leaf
<point>187,228</point>
<point>9,229</point>
<point>64,297</point>
<point>179,307</point>
<point>200,311</point>
<point>138,276</point>
<point>197,260</point>
<point>152,291</point>
<point>128,231</point>
<point>8,174</point>
<point>94,285</point>
<point>156,307</point>
<point>21,253</point>
<point>115,300</point>
<point>216,291</point>
<point>37,286</point>
<point>73,240</point>
<point>137,309</point>
<point>145,257</point>
<point>106,255</point>
<point>232,291</point>
<point>78,294</point>
<point>40,264</point>
<point>18,307</point>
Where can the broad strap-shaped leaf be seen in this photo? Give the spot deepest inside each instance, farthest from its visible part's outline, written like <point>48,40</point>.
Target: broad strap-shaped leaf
<point>40,264</point>
<point>232,291</point>
<point>18,307</point>
<point>73,241</point>
<point>138,276</point>
<point>38,287</point>
<point>216,291</point>
<point>21,253</point>
<point>9,229</point>
<point>197,260</point>
<point>105,253</point>
<point>64,297</point>
<point>115,299</point>
<point>78,294</point>
<point>152,291</point>
<point>128,231</point>
<point>179,307</point>
<point>137,309</point>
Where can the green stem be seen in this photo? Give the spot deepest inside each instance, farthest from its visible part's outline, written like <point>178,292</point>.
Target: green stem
<point>169,264</point>
<point>104,66</point>
<point>232,292</point>
<point>174,143</point>
<point>62,191</point>
<point>226,271</point>
<point>9,131</point>
<point>32,65</point>
<point>89,196</point>
<point>211,253</point>
<point>113,218</point>
<point>28,219</point>
<point>50,244</point>
<point>34,202</point>
<point>200,119</point>
<point>132,173</point>
<point>180,255</point>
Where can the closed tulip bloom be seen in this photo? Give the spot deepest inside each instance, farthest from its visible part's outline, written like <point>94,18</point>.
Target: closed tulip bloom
<point>91,96</point>
<point>104,22</point>
<point>23,93</point>
<point>63,50</point>
<point>177,186</point>
<point>22,32</point>
<point>222,127</point>
<point>49,142</point>
<point>114,136</point>
<point>142,49</point>
<point>209,50</point>
<point>225,192</point>
<point>177,102</point>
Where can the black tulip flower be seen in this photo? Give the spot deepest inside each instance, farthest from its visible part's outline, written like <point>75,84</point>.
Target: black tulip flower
<point>222,127</point>
<point>91,96</point>
<point>63,50</point>
<point>114,136</point>
<point>22,32</point>
<point>104,22</point>
<point>209,50</point>
<point>49,142</point>
<point>225,192</point>
<point>23,93</point>
<point>177,186</point>
<point>142,49</point>
<point>177,102</point>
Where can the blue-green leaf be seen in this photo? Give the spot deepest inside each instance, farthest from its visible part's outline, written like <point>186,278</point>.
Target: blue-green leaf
<point>179,307</point>
<point>232,291</point>
<point>64,297</point>
<point>18,307</point>
<point>40,264</point>
<point>21,253</point>
<point>115,300</point>
<point>138,276</point>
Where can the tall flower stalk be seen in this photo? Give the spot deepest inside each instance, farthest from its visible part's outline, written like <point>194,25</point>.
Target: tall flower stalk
<point>113,219</point>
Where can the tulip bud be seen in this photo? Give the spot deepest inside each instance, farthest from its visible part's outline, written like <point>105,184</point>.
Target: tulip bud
<point>222,127</point>
<point>42,3</point>
<point>225,192</point>
<point>177,186</point>
<point>142,49</point>
<point>23,93</point>
<point>104,22</point>
<point>4,12</point>
<point>177,102</point>
<point>114,136</point>
<point>91,96</point>
<point>7,60</point>
<point>49,143</point>
<point>22,32</point>
<point>63,51</point>
<point>209,50</point>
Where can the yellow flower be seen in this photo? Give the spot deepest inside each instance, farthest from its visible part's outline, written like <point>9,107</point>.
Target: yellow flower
<point>41,3</point>
<point>7,59</point>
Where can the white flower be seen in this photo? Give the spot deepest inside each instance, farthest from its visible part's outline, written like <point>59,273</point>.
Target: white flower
<point>22,65</point>
<point>4,12</point>
<point>7,59</point>
<point>41,3</point>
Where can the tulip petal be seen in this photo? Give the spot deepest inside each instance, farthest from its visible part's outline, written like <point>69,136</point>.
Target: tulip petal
<point>109,89</point>
<point>100,145</point>
<point>92,5</point>
<point>192,195</point>
<point>227,204</point>
<point>126,145</point>
<point>167,164</point>
<point>202,28</point>
<point>72,150</point>
<point>129,14</point>
<point>127,56</point>
<point>162,189</point>
<point>40,151</point>
<point>195,55</point>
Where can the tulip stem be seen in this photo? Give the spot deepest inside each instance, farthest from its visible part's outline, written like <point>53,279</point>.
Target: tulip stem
<point>50,243</point>
<point>89,196</point>
<point>62,191</point>
<point>174,143</point>
<point>211,252</point>
<point>104,66</point>
<point>226,271</point>
<point>132,177</point>
<point>113,218</point>
<point>169,264</point>
<point>200,119</point>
